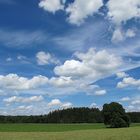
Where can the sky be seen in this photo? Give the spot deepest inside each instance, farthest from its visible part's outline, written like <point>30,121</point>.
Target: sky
<point>57,54</point>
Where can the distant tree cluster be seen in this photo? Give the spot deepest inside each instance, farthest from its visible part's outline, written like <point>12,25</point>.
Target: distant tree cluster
<point>134,116</point>
<point>76,115</point>
<point>71,115</point>
<point>113,115</point>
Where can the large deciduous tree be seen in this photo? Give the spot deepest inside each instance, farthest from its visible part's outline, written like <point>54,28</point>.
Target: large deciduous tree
<point>115,116</point>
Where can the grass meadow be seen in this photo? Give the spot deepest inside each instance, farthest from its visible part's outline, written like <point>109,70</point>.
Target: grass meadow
<point>67,132</point>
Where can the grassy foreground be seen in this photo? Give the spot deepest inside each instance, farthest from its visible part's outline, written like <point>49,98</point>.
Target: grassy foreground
<point>132,133</point>
<point>48,127</point>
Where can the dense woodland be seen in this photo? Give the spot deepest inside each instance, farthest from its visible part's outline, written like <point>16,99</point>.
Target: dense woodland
<point>72,115</point>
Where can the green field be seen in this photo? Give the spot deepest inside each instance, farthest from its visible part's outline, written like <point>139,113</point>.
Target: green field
<point>67,132</point>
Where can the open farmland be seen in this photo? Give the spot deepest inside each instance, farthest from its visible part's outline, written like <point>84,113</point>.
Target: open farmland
<point>67,132</point>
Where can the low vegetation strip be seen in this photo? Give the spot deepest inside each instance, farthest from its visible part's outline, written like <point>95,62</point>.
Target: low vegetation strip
<point>48,127</point>
<point>131,133</point>
<point>52,127</point>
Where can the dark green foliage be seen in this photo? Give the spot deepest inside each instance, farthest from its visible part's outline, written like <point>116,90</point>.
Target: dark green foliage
<point>71,115</point>
<point>78,115</point>
<point>117,121</point>
<point>134,116</point>
<point>115,116</point>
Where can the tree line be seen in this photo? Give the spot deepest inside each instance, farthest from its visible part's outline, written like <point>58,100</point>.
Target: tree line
<point>110,113</point>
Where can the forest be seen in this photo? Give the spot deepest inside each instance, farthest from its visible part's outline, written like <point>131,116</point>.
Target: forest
<point>71,115</point>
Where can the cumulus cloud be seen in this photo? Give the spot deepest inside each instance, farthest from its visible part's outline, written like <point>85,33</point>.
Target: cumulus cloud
<point>77,11</point>
<point>51,5</point>
<point>119,12</point>
<point>79,73</point>
<point>15,82</point>
<point>74,76</point>
<point>44,58</point>
<point>66,105</point>
<point>16,99</point>
<point>41,84</point>
<point>81,9</point>
<point>129,82</point>
<point>58,103</point>
<point>35,108</point>
<point>55,102</point>
<point>91,65</point>
<point>120,35</point>
<point>122,11</point>
<point>61,81</point>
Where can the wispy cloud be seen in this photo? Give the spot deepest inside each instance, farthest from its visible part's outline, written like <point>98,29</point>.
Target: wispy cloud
<point>7,2</point>
<point>83,37</point>
<point>21,38</point>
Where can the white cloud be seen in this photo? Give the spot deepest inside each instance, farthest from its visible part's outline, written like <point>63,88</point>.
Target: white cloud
<point>15,82</point>
<point>61,81</point>
<point>66,105</point>
<point>42,85</point>
<point>100,92</point>
<point>119,13</point>
<point>85,69</point>
<point>125,99</point>
<point>58,103</point>
<point>36,108</point>
<point>129,82</point>
<point>55,102</point>
<point>133,108</point>
<point>44,58</point>
<point>130,108</point>
<point>134,105</point>
<point>120,35</point>
<point>51,5</point>
<point>136,102</point>
<point>122,11</point>
<point>16,99</point>
<point>77,11</point>
<point>122,75</point>
<point>117,36</point>
<point>74,76</point>
<point>90,66</point>
<point>81,9</point>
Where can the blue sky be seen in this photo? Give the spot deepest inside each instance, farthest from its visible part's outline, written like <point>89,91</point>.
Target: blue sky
<point>68,53</point>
